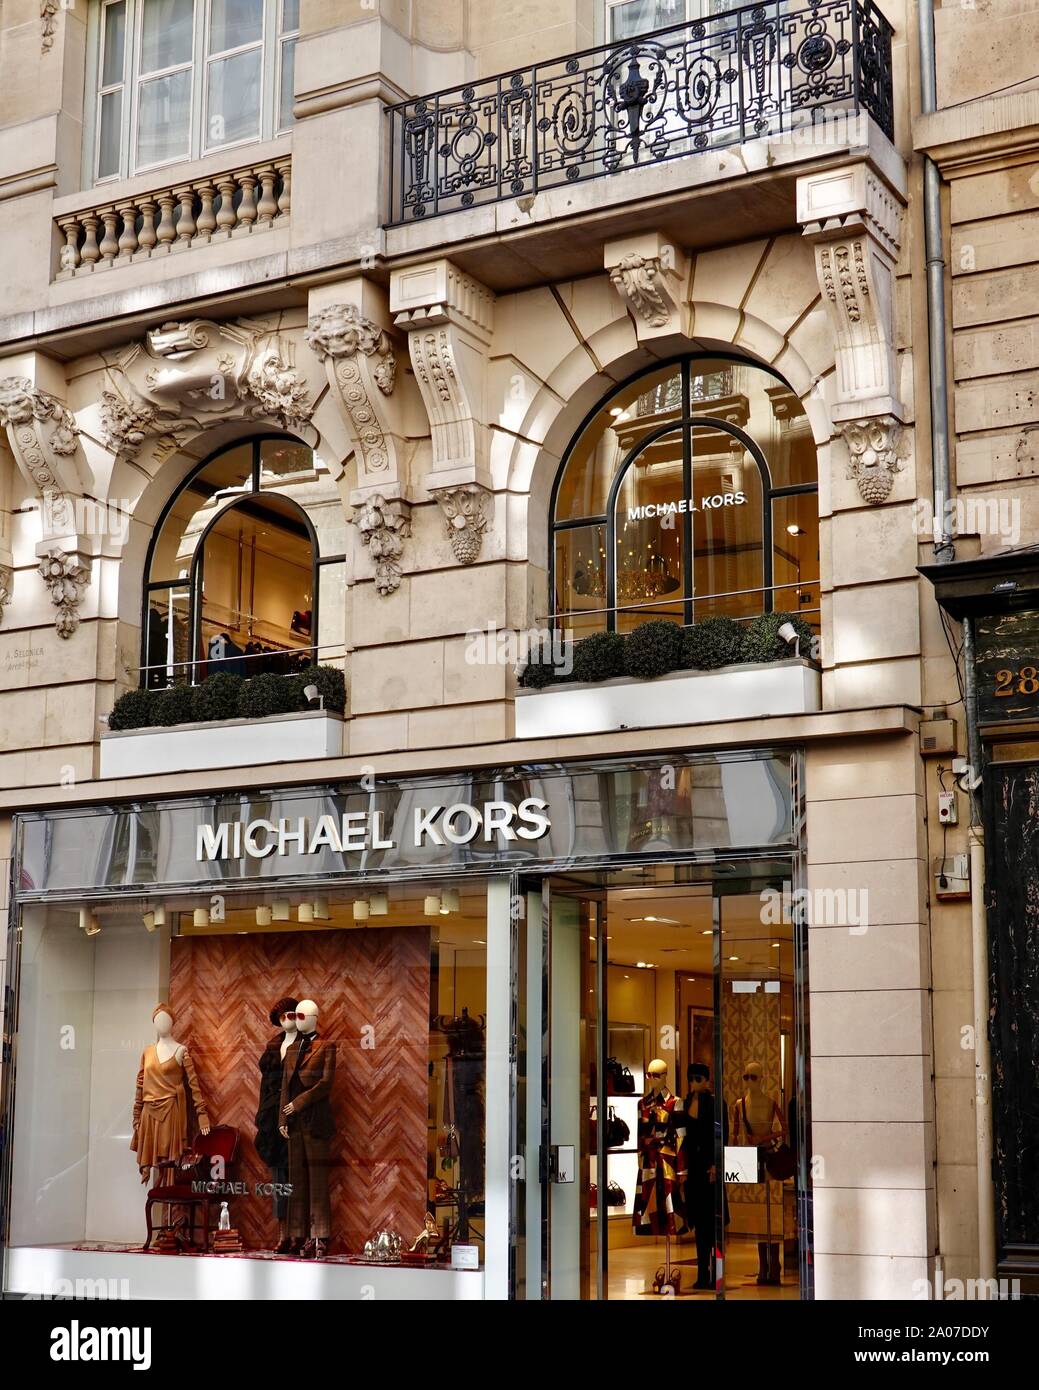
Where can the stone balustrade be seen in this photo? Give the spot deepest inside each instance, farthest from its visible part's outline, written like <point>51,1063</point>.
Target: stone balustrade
<point>174,219</point>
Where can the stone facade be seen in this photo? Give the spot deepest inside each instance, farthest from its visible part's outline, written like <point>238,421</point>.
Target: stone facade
<point>440,370</point>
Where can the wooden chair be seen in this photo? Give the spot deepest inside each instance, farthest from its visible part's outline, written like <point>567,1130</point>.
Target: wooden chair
<point>215,1151</point>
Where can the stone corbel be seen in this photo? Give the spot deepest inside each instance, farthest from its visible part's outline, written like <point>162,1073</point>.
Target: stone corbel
<point>44,439</point>
<point>851,217</point>
<point>66,573</point>
<point>449,319</point>
<point>383,525</point>
<point>6,582</point>
<point>651,275</point>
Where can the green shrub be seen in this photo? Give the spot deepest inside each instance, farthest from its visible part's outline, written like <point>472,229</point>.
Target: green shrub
<point>173,706</point>
<point>331,684</point>
<point>539,672</point>
<point>266,694</point>
<point>762,642</point>
<point>132,710</point>
<point>599,657</point>
<point>712,643</point>
<point>653,649</point>
<point>218,697</point>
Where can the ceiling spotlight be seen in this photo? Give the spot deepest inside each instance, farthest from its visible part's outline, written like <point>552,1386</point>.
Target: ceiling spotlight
<point>794,530</point>
<point>361,910</point>
<point>431,906</point>
<point>775,945</point>
<point>305,912</point>
<point>451,900</point>
<point>666,921</point>
<point>155,917</point>
<point>263,915</point>
<point>734,957</point>
<point>280,910</point>
<point>88,922</point>
<point>200,917</point>
<point>378,904</point>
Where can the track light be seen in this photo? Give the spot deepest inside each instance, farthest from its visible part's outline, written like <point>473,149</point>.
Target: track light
<point>88,922</point>
<point>432,905</point>
<point>379,904</point>
<point>280,910</point>
<point>154,918</point>
<point>451,900</point>
<point>200,917</point>
<point>361,910</point>
<point>320,909</point>
<point>305,912</point>
<point>263,915</point>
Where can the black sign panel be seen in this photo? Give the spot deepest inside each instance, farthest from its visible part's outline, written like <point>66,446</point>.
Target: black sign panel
<point>1007,666</point>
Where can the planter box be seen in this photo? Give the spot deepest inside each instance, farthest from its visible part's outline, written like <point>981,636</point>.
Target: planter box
<point>280,738</point>
<point>683,697</point>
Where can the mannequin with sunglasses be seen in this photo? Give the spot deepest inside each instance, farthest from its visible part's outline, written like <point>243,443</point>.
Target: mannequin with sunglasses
<point>307,1077</point>
<point>758,1120</point>
<point>271,1144</point>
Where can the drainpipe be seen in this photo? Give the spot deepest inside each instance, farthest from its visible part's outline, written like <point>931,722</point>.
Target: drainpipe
<point>979,960</point>
<point>937,332</point>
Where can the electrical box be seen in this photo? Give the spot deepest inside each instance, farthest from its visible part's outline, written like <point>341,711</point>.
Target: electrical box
<point>952,877</point>
<point>947,814</point>
<point>937,736</point>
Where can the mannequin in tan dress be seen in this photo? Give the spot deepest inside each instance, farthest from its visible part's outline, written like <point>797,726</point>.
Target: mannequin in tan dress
<point>160,1110</point>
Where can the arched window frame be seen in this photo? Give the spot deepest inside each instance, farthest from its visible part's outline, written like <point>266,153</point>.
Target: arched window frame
<point>686,424</point>
<point>196,575</point>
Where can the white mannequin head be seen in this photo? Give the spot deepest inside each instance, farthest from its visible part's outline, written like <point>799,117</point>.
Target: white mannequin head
<point>754,1076</point>
<point>163,1020</point>
<point>656,1074</point>
<point>306,1016</point>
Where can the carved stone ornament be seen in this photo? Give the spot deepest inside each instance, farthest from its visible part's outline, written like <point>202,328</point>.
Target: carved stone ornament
<point>383,526</point>
<point>874,450</point>
<point>48,10</point>
<point>186,376</point>
<point>44,439</point>
<point>463,510</point>
<point>358,356</point>
<point>638,279</point>
<point>6,588</point>
<point>65,577</point>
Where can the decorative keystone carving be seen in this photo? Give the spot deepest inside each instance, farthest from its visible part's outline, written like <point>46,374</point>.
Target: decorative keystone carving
<point>449,319</point>
<point>361,367</point>
<point>851,217</point>
<point>185,376</point>
<point>44,439</point>
<point>651,275</point>
<point>874,448</point>
<point>383,525</point>
<point>6,588</point>
<point>66,574</point>
<point>463,509</point>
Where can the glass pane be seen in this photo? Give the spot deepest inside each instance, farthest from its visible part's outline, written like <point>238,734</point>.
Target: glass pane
<point>643,16</point>
<point>333,597</point>
<point>728,554</point>
<point>795,552</point>
<point>220,484</point>
<point>767,409</point>
<point>233,23</point>
<point>581,580</point>
<point>110,133</point>
<point>289,16</point>
<point>234,98</point>
<point>115,37</point>
<point>168,644</point>
<point>627,417</point>
<point>650,520</point>
<point>164,118</point>
<point>288,83</point>
<point>167,34</point>
<point>258,596</point>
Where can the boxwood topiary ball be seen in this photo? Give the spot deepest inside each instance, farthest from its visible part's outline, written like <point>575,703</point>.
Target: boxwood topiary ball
<point>174,706</point>
<point>218,697</point>
<point>132,710</point>
<point>266,694</point>
<point>653,649</point>
<point>599,657</point>
<point>537,674</point>
<point>712,643</point>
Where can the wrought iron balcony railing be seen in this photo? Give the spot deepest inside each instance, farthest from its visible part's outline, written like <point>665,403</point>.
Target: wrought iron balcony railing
<point>762,70</point>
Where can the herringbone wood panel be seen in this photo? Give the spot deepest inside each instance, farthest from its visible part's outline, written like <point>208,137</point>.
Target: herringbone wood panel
<point>372,987</point>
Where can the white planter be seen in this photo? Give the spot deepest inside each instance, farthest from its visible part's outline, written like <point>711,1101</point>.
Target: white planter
<point>683,697</point>
<point>280,738</point>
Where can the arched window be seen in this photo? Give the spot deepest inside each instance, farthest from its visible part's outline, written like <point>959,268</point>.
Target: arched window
<point>232,578</point>
<point>689,492</point>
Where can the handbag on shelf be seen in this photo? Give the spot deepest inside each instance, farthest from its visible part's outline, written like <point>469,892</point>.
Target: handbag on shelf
<point>593,1196</point>
<point>619,1080</point>
<point>615,1195</point>
<point>617,1132</point>
<point>593,1126</point>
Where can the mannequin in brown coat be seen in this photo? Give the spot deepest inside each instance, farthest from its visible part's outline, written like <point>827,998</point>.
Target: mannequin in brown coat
<point>306,1111</point>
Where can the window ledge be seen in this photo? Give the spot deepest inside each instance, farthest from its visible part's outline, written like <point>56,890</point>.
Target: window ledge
<point>279,738</point>
<point>751,691</point>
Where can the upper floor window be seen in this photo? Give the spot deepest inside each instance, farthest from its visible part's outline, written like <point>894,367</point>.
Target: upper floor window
<point>689,493</point>
<point>626,19</point>
<point>178,79</point>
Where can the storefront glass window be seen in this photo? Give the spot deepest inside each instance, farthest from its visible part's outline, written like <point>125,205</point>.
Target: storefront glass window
<point>668,500</point>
